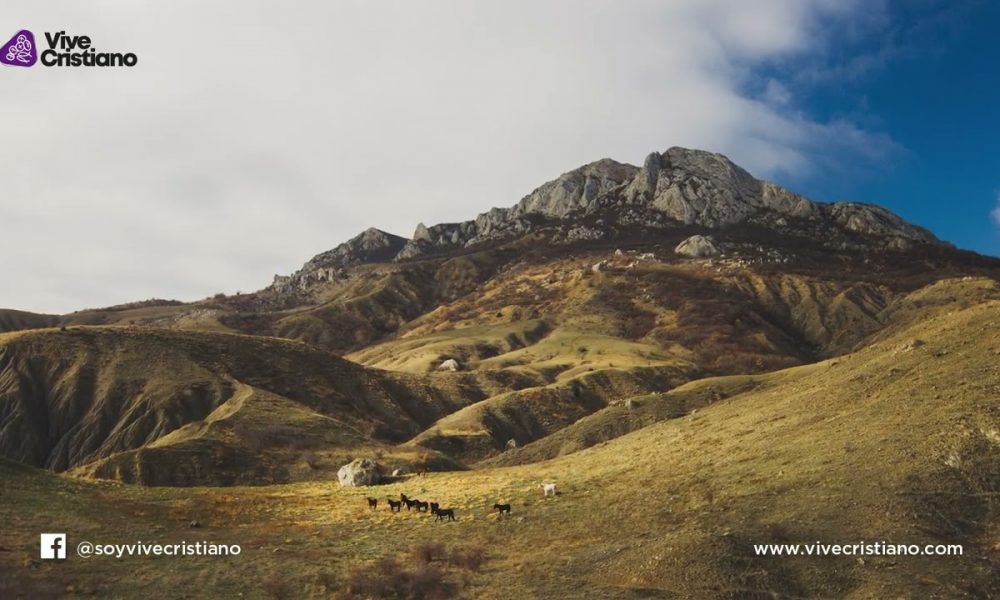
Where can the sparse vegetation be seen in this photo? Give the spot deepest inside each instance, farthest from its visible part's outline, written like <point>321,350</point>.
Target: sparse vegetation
<point>762,460</point>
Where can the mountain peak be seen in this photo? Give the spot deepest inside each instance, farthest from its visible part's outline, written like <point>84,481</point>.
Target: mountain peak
<point>677,187</point>
<point>370,246</point>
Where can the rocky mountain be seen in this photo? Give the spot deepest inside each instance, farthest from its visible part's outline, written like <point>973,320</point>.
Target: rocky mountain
<point>609,282</point>
<point>675,187</point>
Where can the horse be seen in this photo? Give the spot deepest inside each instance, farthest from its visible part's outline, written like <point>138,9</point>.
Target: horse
<point>444,514</point>
<point>372,503</point>
<point>435,506</point>
<point>421,506</point>
<point>410,503</point>
<point>548,488</point>
<point>502,508</point>
<point>395,505</point>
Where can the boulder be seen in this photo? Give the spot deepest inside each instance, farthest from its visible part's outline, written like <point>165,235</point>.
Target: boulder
<point>360,471</point>
<point>698,246</point>
<point>511,444</point>
<point>449,365</point>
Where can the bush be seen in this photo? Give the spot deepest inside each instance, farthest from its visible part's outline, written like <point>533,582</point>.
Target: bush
<point>389,579</point>
<point>428,551</point>
<point>422,580</point>
<point>278,589</point>
<point>313,461</point>
<point>471,558</point>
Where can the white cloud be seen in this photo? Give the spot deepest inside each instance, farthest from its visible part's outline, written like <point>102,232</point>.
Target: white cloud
<point>253,135</point>
<point>995,213</point>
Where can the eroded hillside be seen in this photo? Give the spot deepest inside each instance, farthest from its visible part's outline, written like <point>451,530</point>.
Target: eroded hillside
<point>895,442</point>
<point>165,407</point>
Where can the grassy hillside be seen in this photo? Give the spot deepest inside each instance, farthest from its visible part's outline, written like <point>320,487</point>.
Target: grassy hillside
<point>897,441</point>
<point>15,320</point>
<point>170,407</point>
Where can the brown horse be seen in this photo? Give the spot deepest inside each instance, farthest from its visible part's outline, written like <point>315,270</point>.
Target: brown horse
<point>444,514</point>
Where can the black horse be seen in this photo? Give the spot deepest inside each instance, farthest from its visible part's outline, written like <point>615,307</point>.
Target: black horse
<point>502,508</point>
<point>421,506</point>
<point>395,505</point>
<point>435,506</point>
<point>410,503</point>
<point>372,503</point>
<point>444,514</point>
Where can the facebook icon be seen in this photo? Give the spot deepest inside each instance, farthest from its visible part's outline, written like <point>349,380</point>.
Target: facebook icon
<point>53,545</point>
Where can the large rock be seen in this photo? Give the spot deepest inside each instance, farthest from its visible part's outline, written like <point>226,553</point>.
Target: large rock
<point>698,246</point>
<point>360,471</point>
<point>449,365</point>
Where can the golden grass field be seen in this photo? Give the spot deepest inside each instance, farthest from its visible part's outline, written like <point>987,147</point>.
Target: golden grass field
<point>895,441</point>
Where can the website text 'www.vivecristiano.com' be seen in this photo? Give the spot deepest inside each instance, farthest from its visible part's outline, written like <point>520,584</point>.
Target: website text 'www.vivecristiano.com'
<point>857,549</point>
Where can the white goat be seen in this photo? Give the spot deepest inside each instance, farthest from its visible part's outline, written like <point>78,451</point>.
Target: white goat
<point>548,488</point>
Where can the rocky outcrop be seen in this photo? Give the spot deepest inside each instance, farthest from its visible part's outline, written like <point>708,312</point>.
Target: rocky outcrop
<point>697,246</point>
<point>358,472</point>
<point>871,220</point>
<point>371,246</point>
<point>701,188</point>
<point>673,188</point>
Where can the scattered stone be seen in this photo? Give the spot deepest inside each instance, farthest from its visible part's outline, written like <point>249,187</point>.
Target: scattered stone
<point>631,404</point>
<point>194,524</point>
<point>511,444</point>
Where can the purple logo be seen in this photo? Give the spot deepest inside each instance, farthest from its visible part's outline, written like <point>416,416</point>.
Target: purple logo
<point>19,51</point>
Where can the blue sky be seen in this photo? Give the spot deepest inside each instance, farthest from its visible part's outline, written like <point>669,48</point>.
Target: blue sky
<point>926,75</point>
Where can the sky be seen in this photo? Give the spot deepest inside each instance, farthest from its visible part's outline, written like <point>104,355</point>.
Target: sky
<point>253,135</point>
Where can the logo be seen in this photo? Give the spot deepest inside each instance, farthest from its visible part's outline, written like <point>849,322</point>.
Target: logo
<point>53,546</point>
<point>20,50</point>
<point>64,50</point>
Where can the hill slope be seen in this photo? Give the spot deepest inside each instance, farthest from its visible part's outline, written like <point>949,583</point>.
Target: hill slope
<point>167,407</point>
<point>896,442</point>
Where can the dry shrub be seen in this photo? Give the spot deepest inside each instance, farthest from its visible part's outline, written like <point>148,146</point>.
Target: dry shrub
<point>389,579</point>
<point>470,558</point>
<point>420,580</point>
<point>313,461</point>
<point>425,552</point>
<point>277,588</point>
